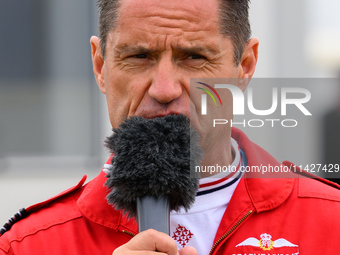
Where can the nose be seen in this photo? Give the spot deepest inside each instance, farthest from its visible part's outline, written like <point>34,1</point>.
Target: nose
<point>165,86</point>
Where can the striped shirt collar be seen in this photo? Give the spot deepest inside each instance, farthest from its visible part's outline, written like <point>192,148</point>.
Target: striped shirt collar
<point>225,178</point>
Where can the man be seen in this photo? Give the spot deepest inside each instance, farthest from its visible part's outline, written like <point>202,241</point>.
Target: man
<point>147,52</point>
<point>144,65</point>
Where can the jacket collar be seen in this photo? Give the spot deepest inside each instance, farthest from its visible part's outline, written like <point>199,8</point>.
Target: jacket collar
<point>260,191</point>
<point>266,190</point>
<point>255,192</point>
<point>93,205</point>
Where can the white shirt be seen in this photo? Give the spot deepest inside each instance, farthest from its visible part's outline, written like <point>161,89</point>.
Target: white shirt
<point>198,226</point>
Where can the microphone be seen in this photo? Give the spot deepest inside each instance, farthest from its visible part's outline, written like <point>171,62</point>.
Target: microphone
<point>153,168</point>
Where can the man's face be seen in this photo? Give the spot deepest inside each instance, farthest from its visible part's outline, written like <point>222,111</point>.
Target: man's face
<point>156,47</point>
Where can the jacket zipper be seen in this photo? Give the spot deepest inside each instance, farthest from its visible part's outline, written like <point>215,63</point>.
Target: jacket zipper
<point>128,233</point>
<point>230,231</point>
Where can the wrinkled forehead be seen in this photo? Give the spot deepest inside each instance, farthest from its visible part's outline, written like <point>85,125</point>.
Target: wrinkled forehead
<point>170,13</point>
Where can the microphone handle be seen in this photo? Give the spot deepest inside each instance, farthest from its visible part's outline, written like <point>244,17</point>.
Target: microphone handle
<point>153,213</point>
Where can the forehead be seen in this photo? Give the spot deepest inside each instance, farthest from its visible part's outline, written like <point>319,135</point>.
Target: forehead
<point>183,14</point>
<point>199,8</point>
<point>165,24</point>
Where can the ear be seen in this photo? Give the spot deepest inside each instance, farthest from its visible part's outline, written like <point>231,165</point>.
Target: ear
<point>98,63</point>
<point>249,59</point>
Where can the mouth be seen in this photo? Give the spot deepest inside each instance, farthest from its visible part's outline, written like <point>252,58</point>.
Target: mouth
<point>160,115</point>
<point>152,115</point>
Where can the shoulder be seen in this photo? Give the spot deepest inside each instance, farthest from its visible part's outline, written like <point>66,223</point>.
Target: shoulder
<point>318,204</point>
<point>318,188</point>
<point>42,216</point>
<point>312,186</point>
<point>316,200</point>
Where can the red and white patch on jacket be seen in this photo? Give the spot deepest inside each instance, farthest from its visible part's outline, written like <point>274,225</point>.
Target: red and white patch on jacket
<point>265,244</point>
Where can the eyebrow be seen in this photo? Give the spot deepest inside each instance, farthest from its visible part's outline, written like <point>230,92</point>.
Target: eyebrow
<point>131,49</point>
<point>197,49</point>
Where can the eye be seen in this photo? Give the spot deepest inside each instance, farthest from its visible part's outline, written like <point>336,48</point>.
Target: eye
<point>196,56</point>
<point>140,56</point>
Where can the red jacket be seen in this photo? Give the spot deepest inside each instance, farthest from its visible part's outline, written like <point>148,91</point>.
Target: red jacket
<point>264,216</point>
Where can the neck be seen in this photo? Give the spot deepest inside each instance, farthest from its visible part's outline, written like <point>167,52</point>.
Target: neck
<point>220,154</point>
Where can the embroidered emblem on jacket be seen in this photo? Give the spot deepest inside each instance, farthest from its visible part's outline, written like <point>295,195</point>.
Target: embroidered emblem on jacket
<point>182,235</point>
<point>267,244</point>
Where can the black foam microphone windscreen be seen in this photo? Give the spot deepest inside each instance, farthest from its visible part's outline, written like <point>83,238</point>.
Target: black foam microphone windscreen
<point>153,158</point>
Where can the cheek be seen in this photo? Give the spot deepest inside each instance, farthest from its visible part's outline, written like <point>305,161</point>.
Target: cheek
<point>204,123</point>
<point>123,94</point>
<point>117,97</point>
